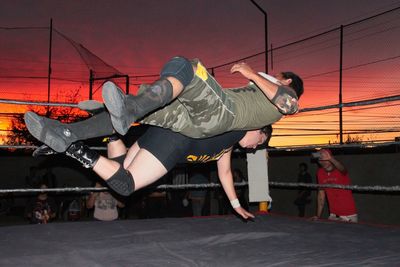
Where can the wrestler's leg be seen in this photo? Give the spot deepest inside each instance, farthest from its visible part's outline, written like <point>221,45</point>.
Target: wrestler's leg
<point>202,110</point>
<point>125,109</point>
<point>116,149</point>
<point>130,156</point>
<point>144,167</point>
<point>142,171</point>
<point>59,136</point>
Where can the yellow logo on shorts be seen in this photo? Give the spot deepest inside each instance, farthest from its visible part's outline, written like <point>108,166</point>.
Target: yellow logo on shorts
<point>206,158</point>
<point>201,72</point>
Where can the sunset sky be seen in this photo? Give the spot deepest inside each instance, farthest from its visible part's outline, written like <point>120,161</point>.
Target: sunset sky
<point>137,37</point>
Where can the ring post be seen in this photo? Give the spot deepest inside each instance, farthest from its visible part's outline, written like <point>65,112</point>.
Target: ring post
<point>263,207</point>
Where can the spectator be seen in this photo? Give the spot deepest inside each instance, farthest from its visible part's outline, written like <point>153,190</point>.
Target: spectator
<point>303,196</point>
<point>41,209</point>
<point>104,204</point>
<point>74,210</point>
<point>33,179</point>
<point>341,203</point>
<point>50,178</point>
<point>6,203</point>
<point>198,196</point>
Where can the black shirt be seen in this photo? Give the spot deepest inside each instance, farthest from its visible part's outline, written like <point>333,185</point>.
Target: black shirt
<point>304,178</point>
<point>171,148</point>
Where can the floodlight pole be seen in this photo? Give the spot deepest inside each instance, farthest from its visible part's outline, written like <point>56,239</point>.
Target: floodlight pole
<point>266,33</point>
<point>341,87</point>
<point>49,68</point>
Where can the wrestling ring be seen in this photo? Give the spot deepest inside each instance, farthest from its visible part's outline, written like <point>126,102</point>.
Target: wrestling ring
<point>218,241</point>
<point>268,240</point>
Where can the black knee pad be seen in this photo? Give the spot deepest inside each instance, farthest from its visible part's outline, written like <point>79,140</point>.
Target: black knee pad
<point>122,182</point>
<point>179,68</point>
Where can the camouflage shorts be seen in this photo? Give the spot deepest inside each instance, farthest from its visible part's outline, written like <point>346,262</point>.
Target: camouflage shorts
<point>201,110</point>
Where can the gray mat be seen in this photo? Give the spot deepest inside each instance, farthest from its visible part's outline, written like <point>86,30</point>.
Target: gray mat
<point>219,241</point>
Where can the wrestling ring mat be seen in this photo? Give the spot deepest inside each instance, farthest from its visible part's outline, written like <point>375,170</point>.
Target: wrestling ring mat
<point>269,240</point>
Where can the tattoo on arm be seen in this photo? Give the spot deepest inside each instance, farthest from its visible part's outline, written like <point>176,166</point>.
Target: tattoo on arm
<point>285,100</point>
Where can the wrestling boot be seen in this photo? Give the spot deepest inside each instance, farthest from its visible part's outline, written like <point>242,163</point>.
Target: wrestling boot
<point>83,154</point>
<point>60,136</point>
<point>43,150</point>
<point>91,106</point>
<point>126,109</point>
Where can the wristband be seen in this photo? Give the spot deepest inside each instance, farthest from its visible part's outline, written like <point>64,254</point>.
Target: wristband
<point>235,203</point>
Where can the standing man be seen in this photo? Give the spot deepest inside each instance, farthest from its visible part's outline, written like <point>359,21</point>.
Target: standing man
<point>105,205</point>
<point>303,196</point>
<point>341,202</point>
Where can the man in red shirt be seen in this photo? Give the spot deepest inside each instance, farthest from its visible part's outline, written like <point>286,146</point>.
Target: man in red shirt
<point>341,202</point>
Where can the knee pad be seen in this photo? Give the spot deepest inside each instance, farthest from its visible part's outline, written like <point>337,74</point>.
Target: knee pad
<point>160,93</point>
<point>119,159</point>
<point>179,68</point>
<point>122,182</point>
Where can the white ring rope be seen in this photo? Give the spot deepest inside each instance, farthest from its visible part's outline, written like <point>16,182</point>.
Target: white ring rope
<point>368,188</point>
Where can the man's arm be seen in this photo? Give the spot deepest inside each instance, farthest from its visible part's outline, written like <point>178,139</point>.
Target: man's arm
<point>283,97</point>
<point>91,199</point>
<point>338,165</point>
<point>120,204</point>
<point>325,155</point>
<point>226,178</point>
<point>320,202</point>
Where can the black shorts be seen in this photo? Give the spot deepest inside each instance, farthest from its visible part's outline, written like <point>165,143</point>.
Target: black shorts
<point>167,146</point>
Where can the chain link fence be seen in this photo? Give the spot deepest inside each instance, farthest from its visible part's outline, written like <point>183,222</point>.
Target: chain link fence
<point>354,62</point>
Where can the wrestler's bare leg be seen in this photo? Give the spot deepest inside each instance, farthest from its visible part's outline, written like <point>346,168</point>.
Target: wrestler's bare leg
<point>143,166</point>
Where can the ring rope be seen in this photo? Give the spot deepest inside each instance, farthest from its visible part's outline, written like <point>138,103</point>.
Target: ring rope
<point>355,103</point>
<point>292,148</point>
<point>37,103</point>
<point>34,147</point>
<point>373,188</point>
<point>348,104</point>
<point>356,145</point>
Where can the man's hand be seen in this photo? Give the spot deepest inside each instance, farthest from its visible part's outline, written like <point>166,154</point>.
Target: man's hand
<point>244,213</point>
<point>244,69</point>
<point>325,155</point>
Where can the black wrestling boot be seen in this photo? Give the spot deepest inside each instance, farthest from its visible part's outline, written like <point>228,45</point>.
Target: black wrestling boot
<point>43,150</point>
<point>59,136</point>
<point>126,109</point>
<point>83,154</point>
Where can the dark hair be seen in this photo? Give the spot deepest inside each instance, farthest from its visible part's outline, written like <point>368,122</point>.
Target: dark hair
<point>267,129</point>
<point>304,165</point>
<point>296,84</point>
<point>268,132</point>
